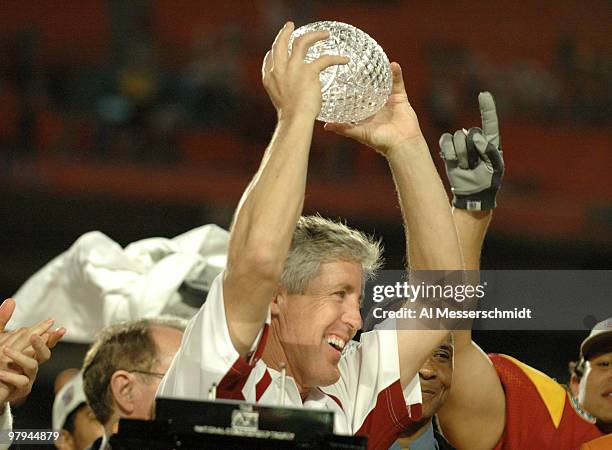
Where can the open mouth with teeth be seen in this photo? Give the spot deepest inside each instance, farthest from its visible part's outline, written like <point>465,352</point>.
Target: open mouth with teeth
<point>335,342</point>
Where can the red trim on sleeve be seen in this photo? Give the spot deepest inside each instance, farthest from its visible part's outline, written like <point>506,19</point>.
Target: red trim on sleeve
<point>230,386</point>
<point>389,417</point>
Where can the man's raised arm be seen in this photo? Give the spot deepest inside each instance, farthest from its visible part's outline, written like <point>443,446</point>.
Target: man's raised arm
<point>473,416</point>
<point>431,237</point>
<point>272,203</point>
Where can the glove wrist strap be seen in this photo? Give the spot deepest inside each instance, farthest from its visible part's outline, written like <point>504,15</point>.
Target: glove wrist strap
<point>480,201</point>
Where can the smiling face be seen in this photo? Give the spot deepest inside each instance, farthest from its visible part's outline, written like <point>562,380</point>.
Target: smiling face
<point>314,327</point>
<point>435,377</point>
<point>595,389</point>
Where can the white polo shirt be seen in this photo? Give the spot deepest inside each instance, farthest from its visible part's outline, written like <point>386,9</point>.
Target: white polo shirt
<point>367,399</point>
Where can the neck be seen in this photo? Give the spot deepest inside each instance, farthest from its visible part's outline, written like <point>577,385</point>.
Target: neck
<point>274,356</point>
<point>413,432</point>
<point>112,426</point>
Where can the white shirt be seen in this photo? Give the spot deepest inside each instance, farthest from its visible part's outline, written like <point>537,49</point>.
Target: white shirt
<point>367,399</point>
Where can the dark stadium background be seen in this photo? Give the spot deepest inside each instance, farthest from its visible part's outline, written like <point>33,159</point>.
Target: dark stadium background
<point>147,118</point>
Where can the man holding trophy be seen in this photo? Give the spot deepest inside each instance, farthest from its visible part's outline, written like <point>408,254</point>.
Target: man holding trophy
<point>276,322</point>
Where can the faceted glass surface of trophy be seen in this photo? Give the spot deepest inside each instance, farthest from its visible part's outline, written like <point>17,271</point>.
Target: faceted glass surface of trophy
<point>357,90</point>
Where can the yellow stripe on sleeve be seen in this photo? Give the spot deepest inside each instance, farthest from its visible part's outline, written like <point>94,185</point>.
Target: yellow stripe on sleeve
<point>551,392</point>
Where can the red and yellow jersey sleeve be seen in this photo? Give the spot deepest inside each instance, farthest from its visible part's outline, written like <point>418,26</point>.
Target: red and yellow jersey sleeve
<point>539,411</point>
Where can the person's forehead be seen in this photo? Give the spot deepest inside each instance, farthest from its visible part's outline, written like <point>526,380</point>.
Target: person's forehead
<point>339,272</point>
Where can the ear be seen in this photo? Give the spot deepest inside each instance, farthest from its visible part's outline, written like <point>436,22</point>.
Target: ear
<point>574,386</point>
<point>279,297</point>
<point>122,389</point>
<point>65,441</point>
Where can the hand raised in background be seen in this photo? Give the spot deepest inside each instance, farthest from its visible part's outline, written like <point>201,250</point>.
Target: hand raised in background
<point>474,160</point>
<point>21,353</point>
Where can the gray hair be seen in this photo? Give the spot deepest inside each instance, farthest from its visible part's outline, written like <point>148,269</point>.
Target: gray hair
<point>317,240</point>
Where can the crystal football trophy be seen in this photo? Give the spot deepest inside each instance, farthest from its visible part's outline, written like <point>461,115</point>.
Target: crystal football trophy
<point>357,90</point>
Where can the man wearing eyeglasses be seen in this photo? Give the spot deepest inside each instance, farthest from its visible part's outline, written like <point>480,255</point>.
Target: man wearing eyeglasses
<point>123,368</point>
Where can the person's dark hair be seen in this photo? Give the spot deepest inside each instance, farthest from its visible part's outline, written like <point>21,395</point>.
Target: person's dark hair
<point>127,346</point>
<point>576,368</point>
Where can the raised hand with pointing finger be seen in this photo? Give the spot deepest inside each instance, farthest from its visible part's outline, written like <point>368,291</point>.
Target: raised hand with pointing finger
<point>474,160</point>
